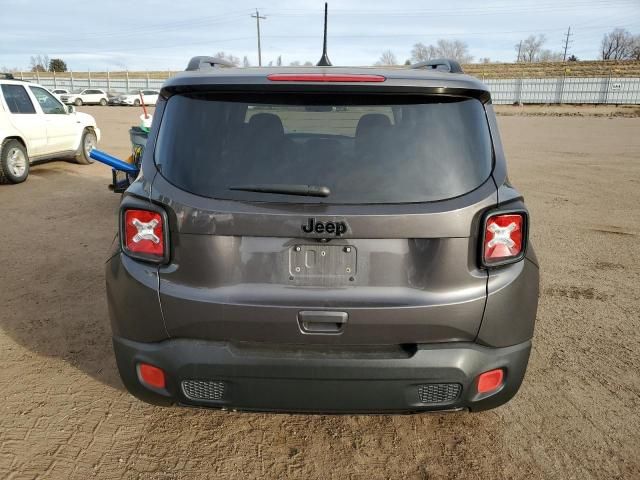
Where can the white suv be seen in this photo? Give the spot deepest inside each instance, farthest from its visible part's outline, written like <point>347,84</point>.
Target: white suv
<point>150,98</point>
<point>58,92</point>
<point>86,96</point>
<point>35,126</point>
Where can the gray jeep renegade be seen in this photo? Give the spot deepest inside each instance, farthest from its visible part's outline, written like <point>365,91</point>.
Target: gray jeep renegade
<point>323,239</point>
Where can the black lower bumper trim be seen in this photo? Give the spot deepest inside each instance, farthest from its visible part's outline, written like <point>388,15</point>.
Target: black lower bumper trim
<point>230,376</point>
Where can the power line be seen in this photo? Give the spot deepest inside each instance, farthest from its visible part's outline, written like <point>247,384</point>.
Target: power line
<point>142,48</point>
<point>258,18</point>
<point>141,32</point>
<point>457,34</point>
<point>488,10</point>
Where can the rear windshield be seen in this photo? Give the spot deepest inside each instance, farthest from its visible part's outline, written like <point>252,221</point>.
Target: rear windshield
<point>362,148</point>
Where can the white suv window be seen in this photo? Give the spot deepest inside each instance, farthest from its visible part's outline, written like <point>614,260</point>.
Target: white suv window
<point>48,102</point>
<point>17,99</point>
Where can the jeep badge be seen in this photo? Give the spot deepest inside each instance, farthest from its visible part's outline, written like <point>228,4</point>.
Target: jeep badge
<point>335,228</point>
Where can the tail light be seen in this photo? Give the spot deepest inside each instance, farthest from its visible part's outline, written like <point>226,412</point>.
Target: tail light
<point>144,235</point>
<point>504,238</point>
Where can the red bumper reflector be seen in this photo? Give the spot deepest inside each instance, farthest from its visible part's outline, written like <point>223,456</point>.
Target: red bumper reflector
<point>490,381</point>
<point>152,376</point>
<point>324,77</point>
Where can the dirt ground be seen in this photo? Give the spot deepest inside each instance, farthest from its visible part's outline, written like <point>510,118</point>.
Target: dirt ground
<point>64,413</point>
<point>630,111</point>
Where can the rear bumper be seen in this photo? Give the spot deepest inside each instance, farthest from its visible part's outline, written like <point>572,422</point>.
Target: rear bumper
<point>297,379</point>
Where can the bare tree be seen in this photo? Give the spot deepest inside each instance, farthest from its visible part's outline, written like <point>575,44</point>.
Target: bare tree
<point>635,51</point>
<point>547,55</point>
<point>484,60</point>
<point>295,63</point>
<point>245,62</point>
<point>454,49</point>
<point>279,61</point>
<point>529,48</point>
<point>387,58</point>
<point>229,57</point>
<point>618,44</point>
<point>307,64</point>
<point>39,63</point>
<point>421,52</point>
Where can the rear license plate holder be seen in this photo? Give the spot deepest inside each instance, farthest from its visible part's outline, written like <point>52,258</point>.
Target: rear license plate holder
<point>322,262</point>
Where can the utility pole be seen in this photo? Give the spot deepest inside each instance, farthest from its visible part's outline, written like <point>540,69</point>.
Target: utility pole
<point>258,18</point>
<point>519,50</point>
<point>566,44</point>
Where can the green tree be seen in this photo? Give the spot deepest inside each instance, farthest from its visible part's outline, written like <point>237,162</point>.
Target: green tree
<point>57,65</point>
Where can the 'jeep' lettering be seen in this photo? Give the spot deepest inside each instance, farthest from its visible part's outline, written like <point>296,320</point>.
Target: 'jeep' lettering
<point>335,228</point>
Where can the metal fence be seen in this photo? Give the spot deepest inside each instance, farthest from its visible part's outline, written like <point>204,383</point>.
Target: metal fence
<point>595,90</point>
<point>119,84</point>
<point>592,90</point>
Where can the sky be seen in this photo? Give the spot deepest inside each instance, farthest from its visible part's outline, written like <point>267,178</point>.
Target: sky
<point>162,35</point>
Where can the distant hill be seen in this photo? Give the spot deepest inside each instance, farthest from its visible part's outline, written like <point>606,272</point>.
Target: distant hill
<point>615,68</point>
<point>627,68</point>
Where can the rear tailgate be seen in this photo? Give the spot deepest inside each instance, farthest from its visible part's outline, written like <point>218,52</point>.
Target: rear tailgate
<point>389,257</point>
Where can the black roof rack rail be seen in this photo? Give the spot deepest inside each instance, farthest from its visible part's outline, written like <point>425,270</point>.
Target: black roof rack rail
<point>442,64</point>
<point>201,62</point>
<point>7,76</point>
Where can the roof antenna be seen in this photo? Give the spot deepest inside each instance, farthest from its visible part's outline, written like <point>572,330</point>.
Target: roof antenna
<point>324,60</point>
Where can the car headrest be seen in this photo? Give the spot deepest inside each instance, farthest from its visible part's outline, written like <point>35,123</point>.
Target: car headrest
<point>266,124</point>
<point>372,122</point>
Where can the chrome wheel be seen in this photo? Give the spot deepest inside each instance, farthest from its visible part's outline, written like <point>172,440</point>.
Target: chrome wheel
<point>16,162</point>
<point>89,143</point>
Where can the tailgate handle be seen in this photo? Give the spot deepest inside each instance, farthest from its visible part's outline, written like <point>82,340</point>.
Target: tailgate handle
<point>322,322</point>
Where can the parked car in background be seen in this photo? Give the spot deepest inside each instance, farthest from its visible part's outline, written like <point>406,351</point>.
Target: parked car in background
<point>133,98</point>
<point>111,95</point>
<point>87,96</point>
<point>58,92</point>
<point>36,126</point>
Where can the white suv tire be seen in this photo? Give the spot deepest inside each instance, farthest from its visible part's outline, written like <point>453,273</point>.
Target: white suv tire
<point>88,141</point>
<point>14,162</point>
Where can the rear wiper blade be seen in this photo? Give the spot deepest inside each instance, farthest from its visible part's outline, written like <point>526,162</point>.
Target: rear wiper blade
<point>302,190</point>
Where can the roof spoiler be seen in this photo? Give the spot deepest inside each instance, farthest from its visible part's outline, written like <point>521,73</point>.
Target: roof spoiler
<point>202,62</point>
<point>442,64</point>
